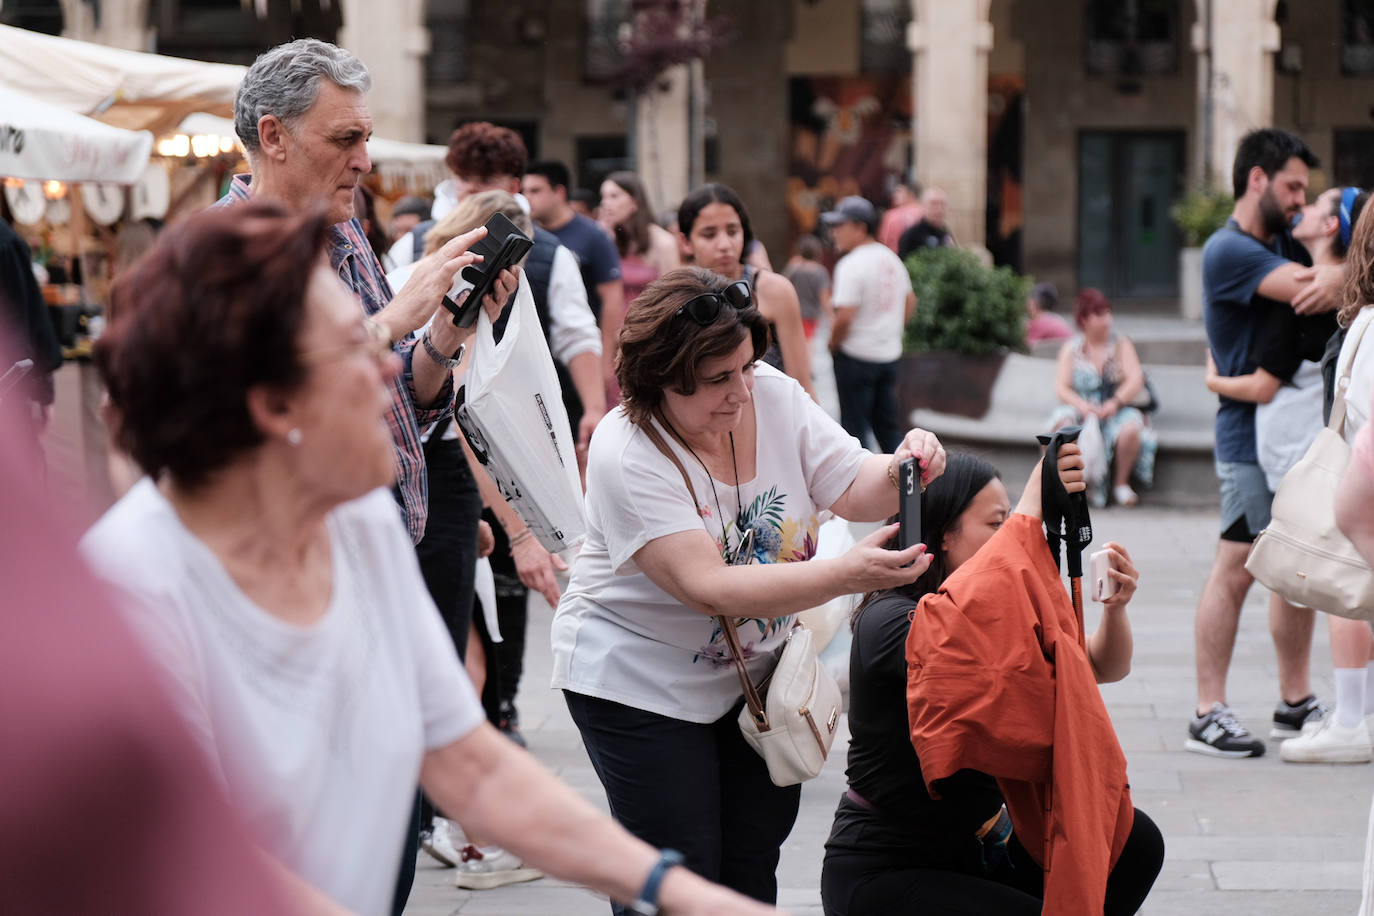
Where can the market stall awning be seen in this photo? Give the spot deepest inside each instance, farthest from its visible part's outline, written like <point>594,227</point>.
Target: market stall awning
<point>127,89</point>
<point>41,141</point>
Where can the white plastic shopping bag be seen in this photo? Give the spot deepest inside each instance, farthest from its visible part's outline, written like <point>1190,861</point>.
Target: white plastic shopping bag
<point>484,587</point>
<point>1094,449</point>
<point>511,410</point>
<point>829,622</point>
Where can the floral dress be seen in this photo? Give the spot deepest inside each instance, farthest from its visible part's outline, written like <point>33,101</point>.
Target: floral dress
<point>1089,383</point>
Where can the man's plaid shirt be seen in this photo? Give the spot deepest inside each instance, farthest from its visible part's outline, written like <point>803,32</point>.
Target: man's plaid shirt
<point>351,255</point>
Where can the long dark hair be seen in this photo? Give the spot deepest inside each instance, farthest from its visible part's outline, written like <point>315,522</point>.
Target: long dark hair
<point>714,193</point>
<point>632,237</point>
<point>942,505</point>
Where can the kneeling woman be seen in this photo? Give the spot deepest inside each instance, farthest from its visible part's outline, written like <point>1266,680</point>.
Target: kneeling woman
<point>898,848</point>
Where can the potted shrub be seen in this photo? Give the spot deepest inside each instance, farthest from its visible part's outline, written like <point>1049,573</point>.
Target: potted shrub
<point>967,316</point>
<point>1199,213</point>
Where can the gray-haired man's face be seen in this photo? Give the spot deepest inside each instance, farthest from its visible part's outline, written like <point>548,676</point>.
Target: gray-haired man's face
<point>324,153</point>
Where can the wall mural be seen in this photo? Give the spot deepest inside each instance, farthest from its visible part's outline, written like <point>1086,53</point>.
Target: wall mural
<point>853,135</point>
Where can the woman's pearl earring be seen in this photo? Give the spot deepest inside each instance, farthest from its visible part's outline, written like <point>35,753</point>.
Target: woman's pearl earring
<point>293,436</point>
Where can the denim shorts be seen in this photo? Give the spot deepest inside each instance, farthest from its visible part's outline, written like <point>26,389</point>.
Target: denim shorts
<point>1245,500</point>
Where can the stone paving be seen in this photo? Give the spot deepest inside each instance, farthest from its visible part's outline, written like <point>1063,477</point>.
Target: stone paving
<point>1250,836</point>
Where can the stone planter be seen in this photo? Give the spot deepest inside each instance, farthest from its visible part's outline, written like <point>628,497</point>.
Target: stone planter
<point>948,382</point>
<point>1190,283</point>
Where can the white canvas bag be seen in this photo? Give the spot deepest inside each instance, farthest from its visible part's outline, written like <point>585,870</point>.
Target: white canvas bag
<point>510,408</point>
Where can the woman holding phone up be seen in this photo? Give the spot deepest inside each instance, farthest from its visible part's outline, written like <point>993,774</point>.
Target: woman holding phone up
<point>643,666</point>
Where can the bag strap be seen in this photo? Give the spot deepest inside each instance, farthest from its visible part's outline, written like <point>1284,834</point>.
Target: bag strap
<point>752,699</point>
<point>1337,422</point>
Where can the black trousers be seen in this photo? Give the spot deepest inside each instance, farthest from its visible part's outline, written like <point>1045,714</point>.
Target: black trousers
<point>856,884</point>
<point>868,400</point>
<point>506,659</point>
<point>699,789</point>
<point>448,560</point>
<point>448,551</point>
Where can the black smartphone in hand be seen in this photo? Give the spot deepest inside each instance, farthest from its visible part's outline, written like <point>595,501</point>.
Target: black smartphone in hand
<point>909,510</point>
<point>502,247</point>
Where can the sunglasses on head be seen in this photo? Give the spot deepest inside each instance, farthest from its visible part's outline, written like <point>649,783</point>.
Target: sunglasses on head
<point>704,308</point>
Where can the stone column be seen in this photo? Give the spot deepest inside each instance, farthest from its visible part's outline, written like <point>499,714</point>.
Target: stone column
<point>668,125</point>
<point>1241,40</point>
<point>663,137</point>
<point>950,40</point>
<point>392,40</point>
<point>123,23</point>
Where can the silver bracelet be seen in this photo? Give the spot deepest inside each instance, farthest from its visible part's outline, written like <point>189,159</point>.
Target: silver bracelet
<point>448,362</point>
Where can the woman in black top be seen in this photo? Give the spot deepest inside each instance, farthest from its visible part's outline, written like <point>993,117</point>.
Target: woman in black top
<point>895,850</point>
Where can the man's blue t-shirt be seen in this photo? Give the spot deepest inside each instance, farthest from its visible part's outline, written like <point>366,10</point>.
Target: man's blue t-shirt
<point>596,256</point>
<point>1233,264</point>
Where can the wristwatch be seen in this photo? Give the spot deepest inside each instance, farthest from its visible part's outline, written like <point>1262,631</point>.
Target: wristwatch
<point>448,362</point>
<point>647,902</point>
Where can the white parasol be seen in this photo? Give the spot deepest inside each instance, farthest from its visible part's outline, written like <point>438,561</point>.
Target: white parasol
<point>41,142</point>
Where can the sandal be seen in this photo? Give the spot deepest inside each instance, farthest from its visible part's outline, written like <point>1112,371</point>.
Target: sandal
<point>1124,495</point>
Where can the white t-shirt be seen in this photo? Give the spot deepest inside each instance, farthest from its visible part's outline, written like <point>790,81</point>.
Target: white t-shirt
<point>620,637</point>
<point>1361,390</point>
<point>315,732</point>
<point>1286,426</point>
<point>873,281</point>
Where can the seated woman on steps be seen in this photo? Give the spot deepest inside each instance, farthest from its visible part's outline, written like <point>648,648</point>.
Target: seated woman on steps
<point>1099,376</point>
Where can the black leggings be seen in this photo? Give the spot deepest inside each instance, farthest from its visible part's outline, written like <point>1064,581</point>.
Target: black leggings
<point>858,884</point>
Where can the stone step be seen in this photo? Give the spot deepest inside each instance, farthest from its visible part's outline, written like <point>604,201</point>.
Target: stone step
<point>1159,340</point>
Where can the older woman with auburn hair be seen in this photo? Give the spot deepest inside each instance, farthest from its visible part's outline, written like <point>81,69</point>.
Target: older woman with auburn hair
<point>266,568</point>
<point>644,667</point>
<point>1097,377</point>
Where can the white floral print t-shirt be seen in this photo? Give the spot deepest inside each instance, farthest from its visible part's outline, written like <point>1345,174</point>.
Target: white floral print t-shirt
<point>620,637</point>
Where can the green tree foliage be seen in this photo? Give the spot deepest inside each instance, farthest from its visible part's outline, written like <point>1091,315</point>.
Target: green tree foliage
<point>964,306</point>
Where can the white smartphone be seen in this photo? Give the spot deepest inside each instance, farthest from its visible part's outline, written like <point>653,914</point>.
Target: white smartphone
<point>1104,586</point>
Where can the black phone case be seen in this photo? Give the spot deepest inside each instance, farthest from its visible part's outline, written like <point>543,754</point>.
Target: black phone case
<point>909,495</point>
<point>503,246</point>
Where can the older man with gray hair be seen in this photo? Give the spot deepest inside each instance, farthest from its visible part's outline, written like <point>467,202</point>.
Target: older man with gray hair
<point>302,115</point>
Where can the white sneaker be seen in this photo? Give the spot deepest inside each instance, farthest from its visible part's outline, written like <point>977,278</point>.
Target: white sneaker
<point>1330,742</point>
<point>492,866</point>
<point>444,842</point>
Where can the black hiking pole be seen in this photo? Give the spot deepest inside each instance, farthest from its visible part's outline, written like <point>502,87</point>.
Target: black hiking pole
<point>1066,517</point>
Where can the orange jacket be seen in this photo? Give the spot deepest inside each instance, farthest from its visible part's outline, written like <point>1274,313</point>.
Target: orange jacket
<point>996,682</point>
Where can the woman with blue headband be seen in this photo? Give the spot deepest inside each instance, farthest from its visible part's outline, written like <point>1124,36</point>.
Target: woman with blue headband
<point>1287,347</point>
<point>1343,736</point>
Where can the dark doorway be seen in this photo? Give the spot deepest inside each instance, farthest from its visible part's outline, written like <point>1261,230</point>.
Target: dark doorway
<point>598,157</point>
<point>1127,243</point>
<point>35,15</point>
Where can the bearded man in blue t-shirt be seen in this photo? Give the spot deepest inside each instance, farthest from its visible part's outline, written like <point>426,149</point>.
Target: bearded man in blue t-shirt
<point>1250,264</point>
